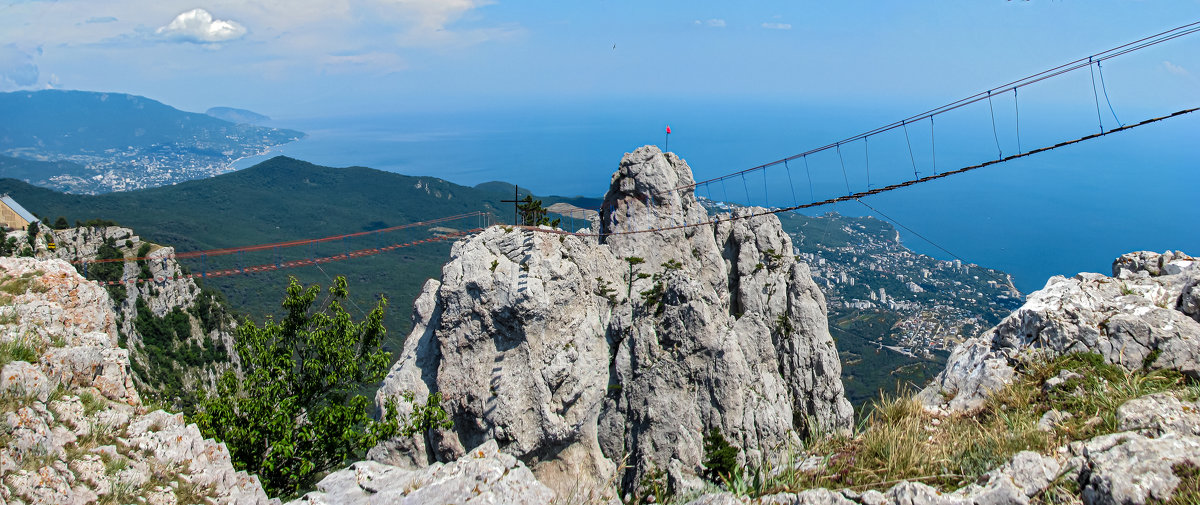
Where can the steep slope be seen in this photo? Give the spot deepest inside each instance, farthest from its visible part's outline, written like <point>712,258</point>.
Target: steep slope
<point>1086,394</point>
<point>73,428</point>
<point>577,354</point>
<point>180,335</point>
<point>1147,315</point>
<point>284,199</point>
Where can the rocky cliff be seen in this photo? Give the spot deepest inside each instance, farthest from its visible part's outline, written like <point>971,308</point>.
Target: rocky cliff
<point>1147,315</point>
<point>1096,374</point>
<point>180,336</point>
<point>72,425</point>
<point>605,358</point>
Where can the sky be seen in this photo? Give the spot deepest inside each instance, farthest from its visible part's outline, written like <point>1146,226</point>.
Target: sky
<point>296,58</point>
<point>549,93</point>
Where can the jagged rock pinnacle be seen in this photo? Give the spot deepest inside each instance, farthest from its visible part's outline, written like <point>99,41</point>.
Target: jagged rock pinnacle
<point>574,357</point>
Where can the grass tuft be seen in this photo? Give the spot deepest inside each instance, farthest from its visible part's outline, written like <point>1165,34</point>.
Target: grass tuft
<point>17,350</point>
<point>899,440</point>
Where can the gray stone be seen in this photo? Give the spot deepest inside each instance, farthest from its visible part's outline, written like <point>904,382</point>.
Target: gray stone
<point>1052,419</point>
<point>1137,319</point>
<point>73,320</point>
<point>483,475</point>
<point>972,372</point>
<point>872,497</point>
<point>1160,413</point>
<point>543,343</point>
<point>716,499</point>
<point>1060,379</point>
<point>916,493</point>
<point>1030,472</point>
<point>1128,468</point>
<point>26,379</point>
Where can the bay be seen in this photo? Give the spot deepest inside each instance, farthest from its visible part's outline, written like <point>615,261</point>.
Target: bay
<point>1055,213</point>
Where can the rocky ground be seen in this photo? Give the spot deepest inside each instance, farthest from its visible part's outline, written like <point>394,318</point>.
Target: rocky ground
<point>74,428</point>
<point>1124,431</point>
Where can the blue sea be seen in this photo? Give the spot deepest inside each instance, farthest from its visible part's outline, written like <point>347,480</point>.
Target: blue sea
<point>1055,213</point>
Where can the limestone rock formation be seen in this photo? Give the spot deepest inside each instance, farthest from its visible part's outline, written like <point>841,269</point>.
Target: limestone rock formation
<point>483,475</point>
<point>1145,315</point>
<point>156,288</point>
<point>578,353</point>
<point>73,426</point>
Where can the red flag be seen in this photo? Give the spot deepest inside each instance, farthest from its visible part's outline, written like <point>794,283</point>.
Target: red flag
<point>668,130</point>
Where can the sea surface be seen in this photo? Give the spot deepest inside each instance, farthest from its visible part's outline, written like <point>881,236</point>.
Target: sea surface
<point>1054,213</point>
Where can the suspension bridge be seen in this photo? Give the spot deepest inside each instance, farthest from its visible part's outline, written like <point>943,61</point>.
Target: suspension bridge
<point>457,226</point>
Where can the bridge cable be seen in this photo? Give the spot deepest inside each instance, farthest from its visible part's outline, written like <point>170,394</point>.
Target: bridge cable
<point>933,144</point>
<point>843,161</point>
<point>911,157</point>
<point>795,201</point>
<point>1095,96</point>
<point>1017,108</point>
<point>1105,89</point>
<point>910,230</point>
<point>922,237</point>
<point>747,188</point>
<point>995,135</point>
<point>1158,38</point>
<point>766,195</point>
<point>867,155</point>
<point>811,195</point>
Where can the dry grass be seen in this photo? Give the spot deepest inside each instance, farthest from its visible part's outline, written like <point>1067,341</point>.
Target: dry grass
<point>27,282</point>
<point>901,441</point>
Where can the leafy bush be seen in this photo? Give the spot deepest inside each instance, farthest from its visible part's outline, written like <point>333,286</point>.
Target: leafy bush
<point>8,246</point>
<point>296,413</point>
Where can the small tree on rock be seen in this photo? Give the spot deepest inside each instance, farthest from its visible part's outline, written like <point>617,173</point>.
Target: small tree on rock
<point>533,214</point>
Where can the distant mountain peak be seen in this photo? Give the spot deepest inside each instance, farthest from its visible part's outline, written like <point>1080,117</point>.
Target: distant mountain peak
<point>237,116</point>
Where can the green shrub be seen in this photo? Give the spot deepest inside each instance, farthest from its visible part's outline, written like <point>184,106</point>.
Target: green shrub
<point>720,458</point>
<point>296,412</point>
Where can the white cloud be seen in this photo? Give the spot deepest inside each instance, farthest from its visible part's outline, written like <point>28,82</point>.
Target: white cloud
<point>277,37</point>
<point>17,68</point>
<point>378,62</point>
<point>712,23</point>
<point>1176,69</point>
<point>198,25</point>
<point>777,26</point>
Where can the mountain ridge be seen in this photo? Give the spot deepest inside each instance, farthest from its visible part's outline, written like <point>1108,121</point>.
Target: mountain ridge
<point>123,141</point>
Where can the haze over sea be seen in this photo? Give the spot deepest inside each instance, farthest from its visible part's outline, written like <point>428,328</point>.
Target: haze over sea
<point>1056,213</point>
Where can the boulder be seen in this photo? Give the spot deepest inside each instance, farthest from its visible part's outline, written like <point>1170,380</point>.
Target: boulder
<point>24,378</point>
<point>483,475</point>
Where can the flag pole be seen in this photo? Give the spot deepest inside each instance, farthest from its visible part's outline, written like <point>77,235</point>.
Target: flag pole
<point>667,141</point>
